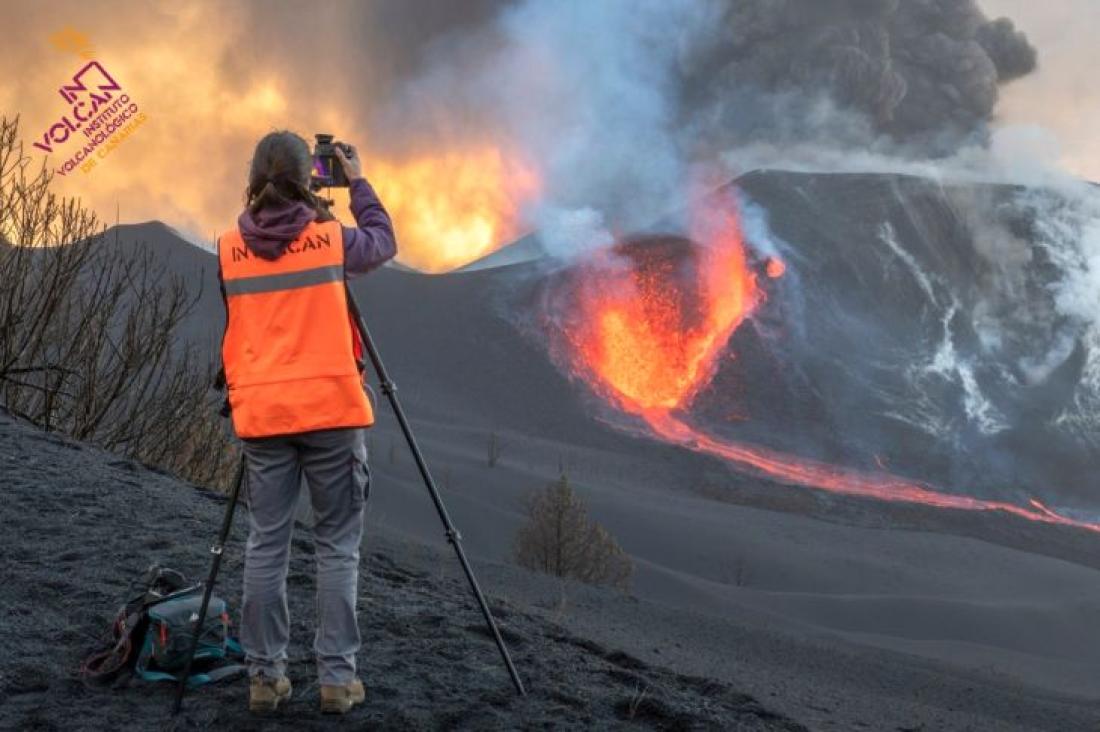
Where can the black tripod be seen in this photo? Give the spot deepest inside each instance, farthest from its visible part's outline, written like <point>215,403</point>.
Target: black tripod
<point>390,390</point>
<point>217,550</point>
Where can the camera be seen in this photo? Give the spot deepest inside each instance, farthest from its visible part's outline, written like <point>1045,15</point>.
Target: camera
<point>327,170</point>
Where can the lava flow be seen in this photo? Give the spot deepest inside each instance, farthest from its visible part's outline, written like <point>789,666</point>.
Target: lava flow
<point>643,324</point>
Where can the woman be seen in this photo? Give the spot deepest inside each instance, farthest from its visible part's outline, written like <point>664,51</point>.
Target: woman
<point>293,369</point>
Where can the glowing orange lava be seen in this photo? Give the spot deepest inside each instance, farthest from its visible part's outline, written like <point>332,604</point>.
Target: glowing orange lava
<point>655,319</point>
<point>774,268</point>
<point>454,207</point>
<point>646,323</point>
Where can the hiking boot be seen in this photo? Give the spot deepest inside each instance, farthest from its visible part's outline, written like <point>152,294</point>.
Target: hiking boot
<point>264,694</point>
<point>340,699</point>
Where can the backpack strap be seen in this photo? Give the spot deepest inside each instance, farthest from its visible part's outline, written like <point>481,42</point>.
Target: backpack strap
<point>194,680</point>
<point>207,677</point>
<point>103,666</point>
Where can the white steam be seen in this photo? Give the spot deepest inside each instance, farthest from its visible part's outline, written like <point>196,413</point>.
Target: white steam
<point>1068,227</point>
<point>590,90</point>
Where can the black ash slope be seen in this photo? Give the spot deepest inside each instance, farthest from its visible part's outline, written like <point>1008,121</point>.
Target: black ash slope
<point>919,325</point>
<point>80,523</point>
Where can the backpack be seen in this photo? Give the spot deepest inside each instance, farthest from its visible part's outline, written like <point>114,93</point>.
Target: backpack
<point>152,632</point>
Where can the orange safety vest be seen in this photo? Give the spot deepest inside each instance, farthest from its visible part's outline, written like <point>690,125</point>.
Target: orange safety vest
<point>289,349</point>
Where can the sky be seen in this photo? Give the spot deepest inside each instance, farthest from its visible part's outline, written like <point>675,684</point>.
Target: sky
<point>210,82</point>
<point>208,89</point>
<point>1063,96</point>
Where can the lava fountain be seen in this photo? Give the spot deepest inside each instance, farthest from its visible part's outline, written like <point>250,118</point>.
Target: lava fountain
<point>651,315</point>
<point>644,322</point>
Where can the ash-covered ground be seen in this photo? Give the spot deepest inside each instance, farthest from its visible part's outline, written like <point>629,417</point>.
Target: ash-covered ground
<point>841,613</point>
<point>80,524</point>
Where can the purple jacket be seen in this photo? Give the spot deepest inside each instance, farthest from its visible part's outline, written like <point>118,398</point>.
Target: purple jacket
<point>370,245</point>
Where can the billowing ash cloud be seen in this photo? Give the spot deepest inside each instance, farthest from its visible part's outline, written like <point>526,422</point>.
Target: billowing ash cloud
<point>612,101</point>
<point>617,102</point>
<point>925,73</point>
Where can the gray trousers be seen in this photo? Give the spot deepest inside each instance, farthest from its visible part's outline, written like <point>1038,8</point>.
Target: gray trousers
<point>334,465</point>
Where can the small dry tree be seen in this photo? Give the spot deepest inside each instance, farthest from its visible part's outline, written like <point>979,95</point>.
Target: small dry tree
<point>88,332</point>
<point>494,449</point>
<point>561,540</point>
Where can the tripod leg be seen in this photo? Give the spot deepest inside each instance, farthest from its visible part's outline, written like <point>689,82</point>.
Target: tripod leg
<point>217,550</point>
<point>390,390</point>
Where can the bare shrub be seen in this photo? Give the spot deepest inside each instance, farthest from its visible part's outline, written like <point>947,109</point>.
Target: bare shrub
<point>559,539</point>
<point>88,332</point>
<point>636,700</point>
<point>494,449</point>
<point>740,572</point>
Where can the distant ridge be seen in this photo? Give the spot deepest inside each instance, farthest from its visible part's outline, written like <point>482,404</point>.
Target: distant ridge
<point>524,249</point>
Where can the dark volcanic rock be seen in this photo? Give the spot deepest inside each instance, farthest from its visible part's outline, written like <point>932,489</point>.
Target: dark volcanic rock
<point>81,524</point>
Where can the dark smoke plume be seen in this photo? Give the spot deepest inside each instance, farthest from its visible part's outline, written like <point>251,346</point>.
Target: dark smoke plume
<point>616,103</point>
<point>924,73</point>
